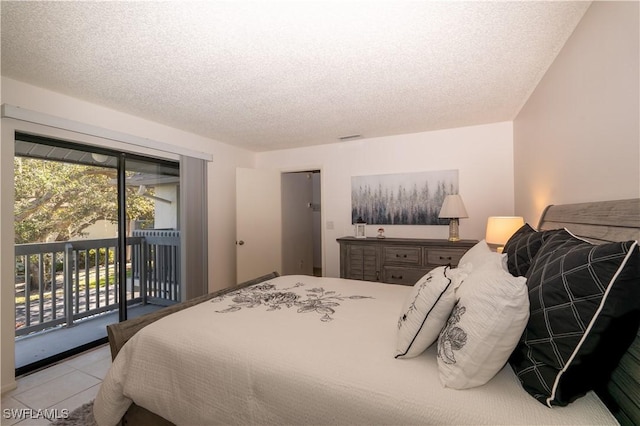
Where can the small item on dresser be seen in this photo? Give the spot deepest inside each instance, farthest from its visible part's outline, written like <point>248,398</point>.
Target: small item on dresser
<point>380,233</point>
<point>360,228</point>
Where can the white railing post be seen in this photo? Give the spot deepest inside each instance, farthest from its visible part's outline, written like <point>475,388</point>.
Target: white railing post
<point>68,283</point>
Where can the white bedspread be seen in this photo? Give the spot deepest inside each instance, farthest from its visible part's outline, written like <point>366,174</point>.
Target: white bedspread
<point>306,350</point>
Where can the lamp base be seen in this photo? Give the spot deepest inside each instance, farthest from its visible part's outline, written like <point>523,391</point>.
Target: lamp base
<point>453,229</point>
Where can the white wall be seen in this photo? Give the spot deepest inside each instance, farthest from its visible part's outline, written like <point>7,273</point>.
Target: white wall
<point>482,154</point>
<point>97,230</point>
<point>220,187</point>
<point>577,138</point>
<point>166,214</point>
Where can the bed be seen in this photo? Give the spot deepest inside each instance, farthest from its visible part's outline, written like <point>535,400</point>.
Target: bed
<point>308,350</point>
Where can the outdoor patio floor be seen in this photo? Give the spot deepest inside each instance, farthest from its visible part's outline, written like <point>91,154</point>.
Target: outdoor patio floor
<point>36,350</point>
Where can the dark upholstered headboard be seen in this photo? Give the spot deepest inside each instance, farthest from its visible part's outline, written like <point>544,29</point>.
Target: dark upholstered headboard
<point>601,222</point>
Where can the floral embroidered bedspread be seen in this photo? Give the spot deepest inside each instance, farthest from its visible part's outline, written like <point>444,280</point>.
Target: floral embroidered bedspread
<point>304,350</point>
<point>270,297</point>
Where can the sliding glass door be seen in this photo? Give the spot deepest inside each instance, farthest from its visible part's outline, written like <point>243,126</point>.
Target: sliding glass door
<point>97,241</point>
<point>149,216</point>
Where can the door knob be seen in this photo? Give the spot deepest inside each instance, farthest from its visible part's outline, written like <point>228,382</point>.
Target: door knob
<point>240,243</point>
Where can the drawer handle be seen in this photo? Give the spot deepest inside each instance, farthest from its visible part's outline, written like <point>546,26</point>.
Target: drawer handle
<point>396,277</point>
<point>404,255</point>
<point>445,257</point>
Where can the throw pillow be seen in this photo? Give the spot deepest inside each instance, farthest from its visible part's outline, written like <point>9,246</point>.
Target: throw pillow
<point>480,255</point>
<point>522,248</point>
<point>426,310</point>
<point>585,312</point>
<point>484,327</point>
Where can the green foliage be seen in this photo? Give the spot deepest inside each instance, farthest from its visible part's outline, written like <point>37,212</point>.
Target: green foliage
<point>34,297</point>
<point>56,201</point>
<point>94,260</point>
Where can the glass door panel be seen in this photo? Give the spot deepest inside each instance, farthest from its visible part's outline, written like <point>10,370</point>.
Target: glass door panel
<point>70,236</point>
<point>152,228</point>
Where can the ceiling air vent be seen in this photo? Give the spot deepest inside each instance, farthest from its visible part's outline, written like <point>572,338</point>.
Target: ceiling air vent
<point>349,138</point>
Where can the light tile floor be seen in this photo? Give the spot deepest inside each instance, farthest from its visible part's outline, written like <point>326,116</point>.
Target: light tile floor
<point>63,386</point>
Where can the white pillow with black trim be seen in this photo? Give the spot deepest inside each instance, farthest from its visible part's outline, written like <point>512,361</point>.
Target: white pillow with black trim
<point>426,310</point>
<point>484,327</point>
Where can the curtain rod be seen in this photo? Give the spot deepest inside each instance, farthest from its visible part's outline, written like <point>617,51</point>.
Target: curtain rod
<point>22,114</point>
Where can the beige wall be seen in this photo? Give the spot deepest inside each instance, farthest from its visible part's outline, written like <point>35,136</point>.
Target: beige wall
<point>220,186</point>
<point>577,138</point>
<point>482,154</point>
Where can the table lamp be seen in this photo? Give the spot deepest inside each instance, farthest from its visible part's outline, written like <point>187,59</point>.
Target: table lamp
<point>453,209</point>
<point>501,228</point>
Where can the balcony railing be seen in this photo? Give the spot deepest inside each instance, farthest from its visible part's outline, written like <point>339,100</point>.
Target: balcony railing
<point>63,282</point>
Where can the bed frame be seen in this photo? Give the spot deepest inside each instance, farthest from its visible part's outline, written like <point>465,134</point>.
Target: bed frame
<point>600,222</point>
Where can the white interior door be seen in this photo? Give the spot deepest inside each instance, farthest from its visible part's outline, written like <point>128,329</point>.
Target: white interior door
<point>258,223</point>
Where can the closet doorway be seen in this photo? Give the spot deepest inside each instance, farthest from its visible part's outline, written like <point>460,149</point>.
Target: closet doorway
<point>301,223</point>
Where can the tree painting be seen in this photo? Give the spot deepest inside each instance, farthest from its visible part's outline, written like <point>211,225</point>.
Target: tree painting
<point>403,198</point>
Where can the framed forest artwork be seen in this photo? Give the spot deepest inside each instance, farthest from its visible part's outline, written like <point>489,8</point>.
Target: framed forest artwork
<point>402,198</point>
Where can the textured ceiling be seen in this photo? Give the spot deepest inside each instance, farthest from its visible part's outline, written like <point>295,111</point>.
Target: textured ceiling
<point>270,75</point>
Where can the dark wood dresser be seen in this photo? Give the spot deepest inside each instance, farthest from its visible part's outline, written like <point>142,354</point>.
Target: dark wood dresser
<point>396,260</point>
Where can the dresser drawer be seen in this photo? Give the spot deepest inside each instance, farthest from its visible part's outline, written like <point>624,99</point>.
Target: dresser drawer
<point>405,276</point>
<point>363,263</point>
<point>397,260</point>
<point>404,255</point>
<point>444,256</point>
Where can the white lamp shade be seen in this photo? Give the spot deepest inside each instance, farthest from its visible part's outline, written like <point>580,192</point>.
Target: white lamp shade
<point>453,207</point>
<point>501,228</point>
<point>100,158</point>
